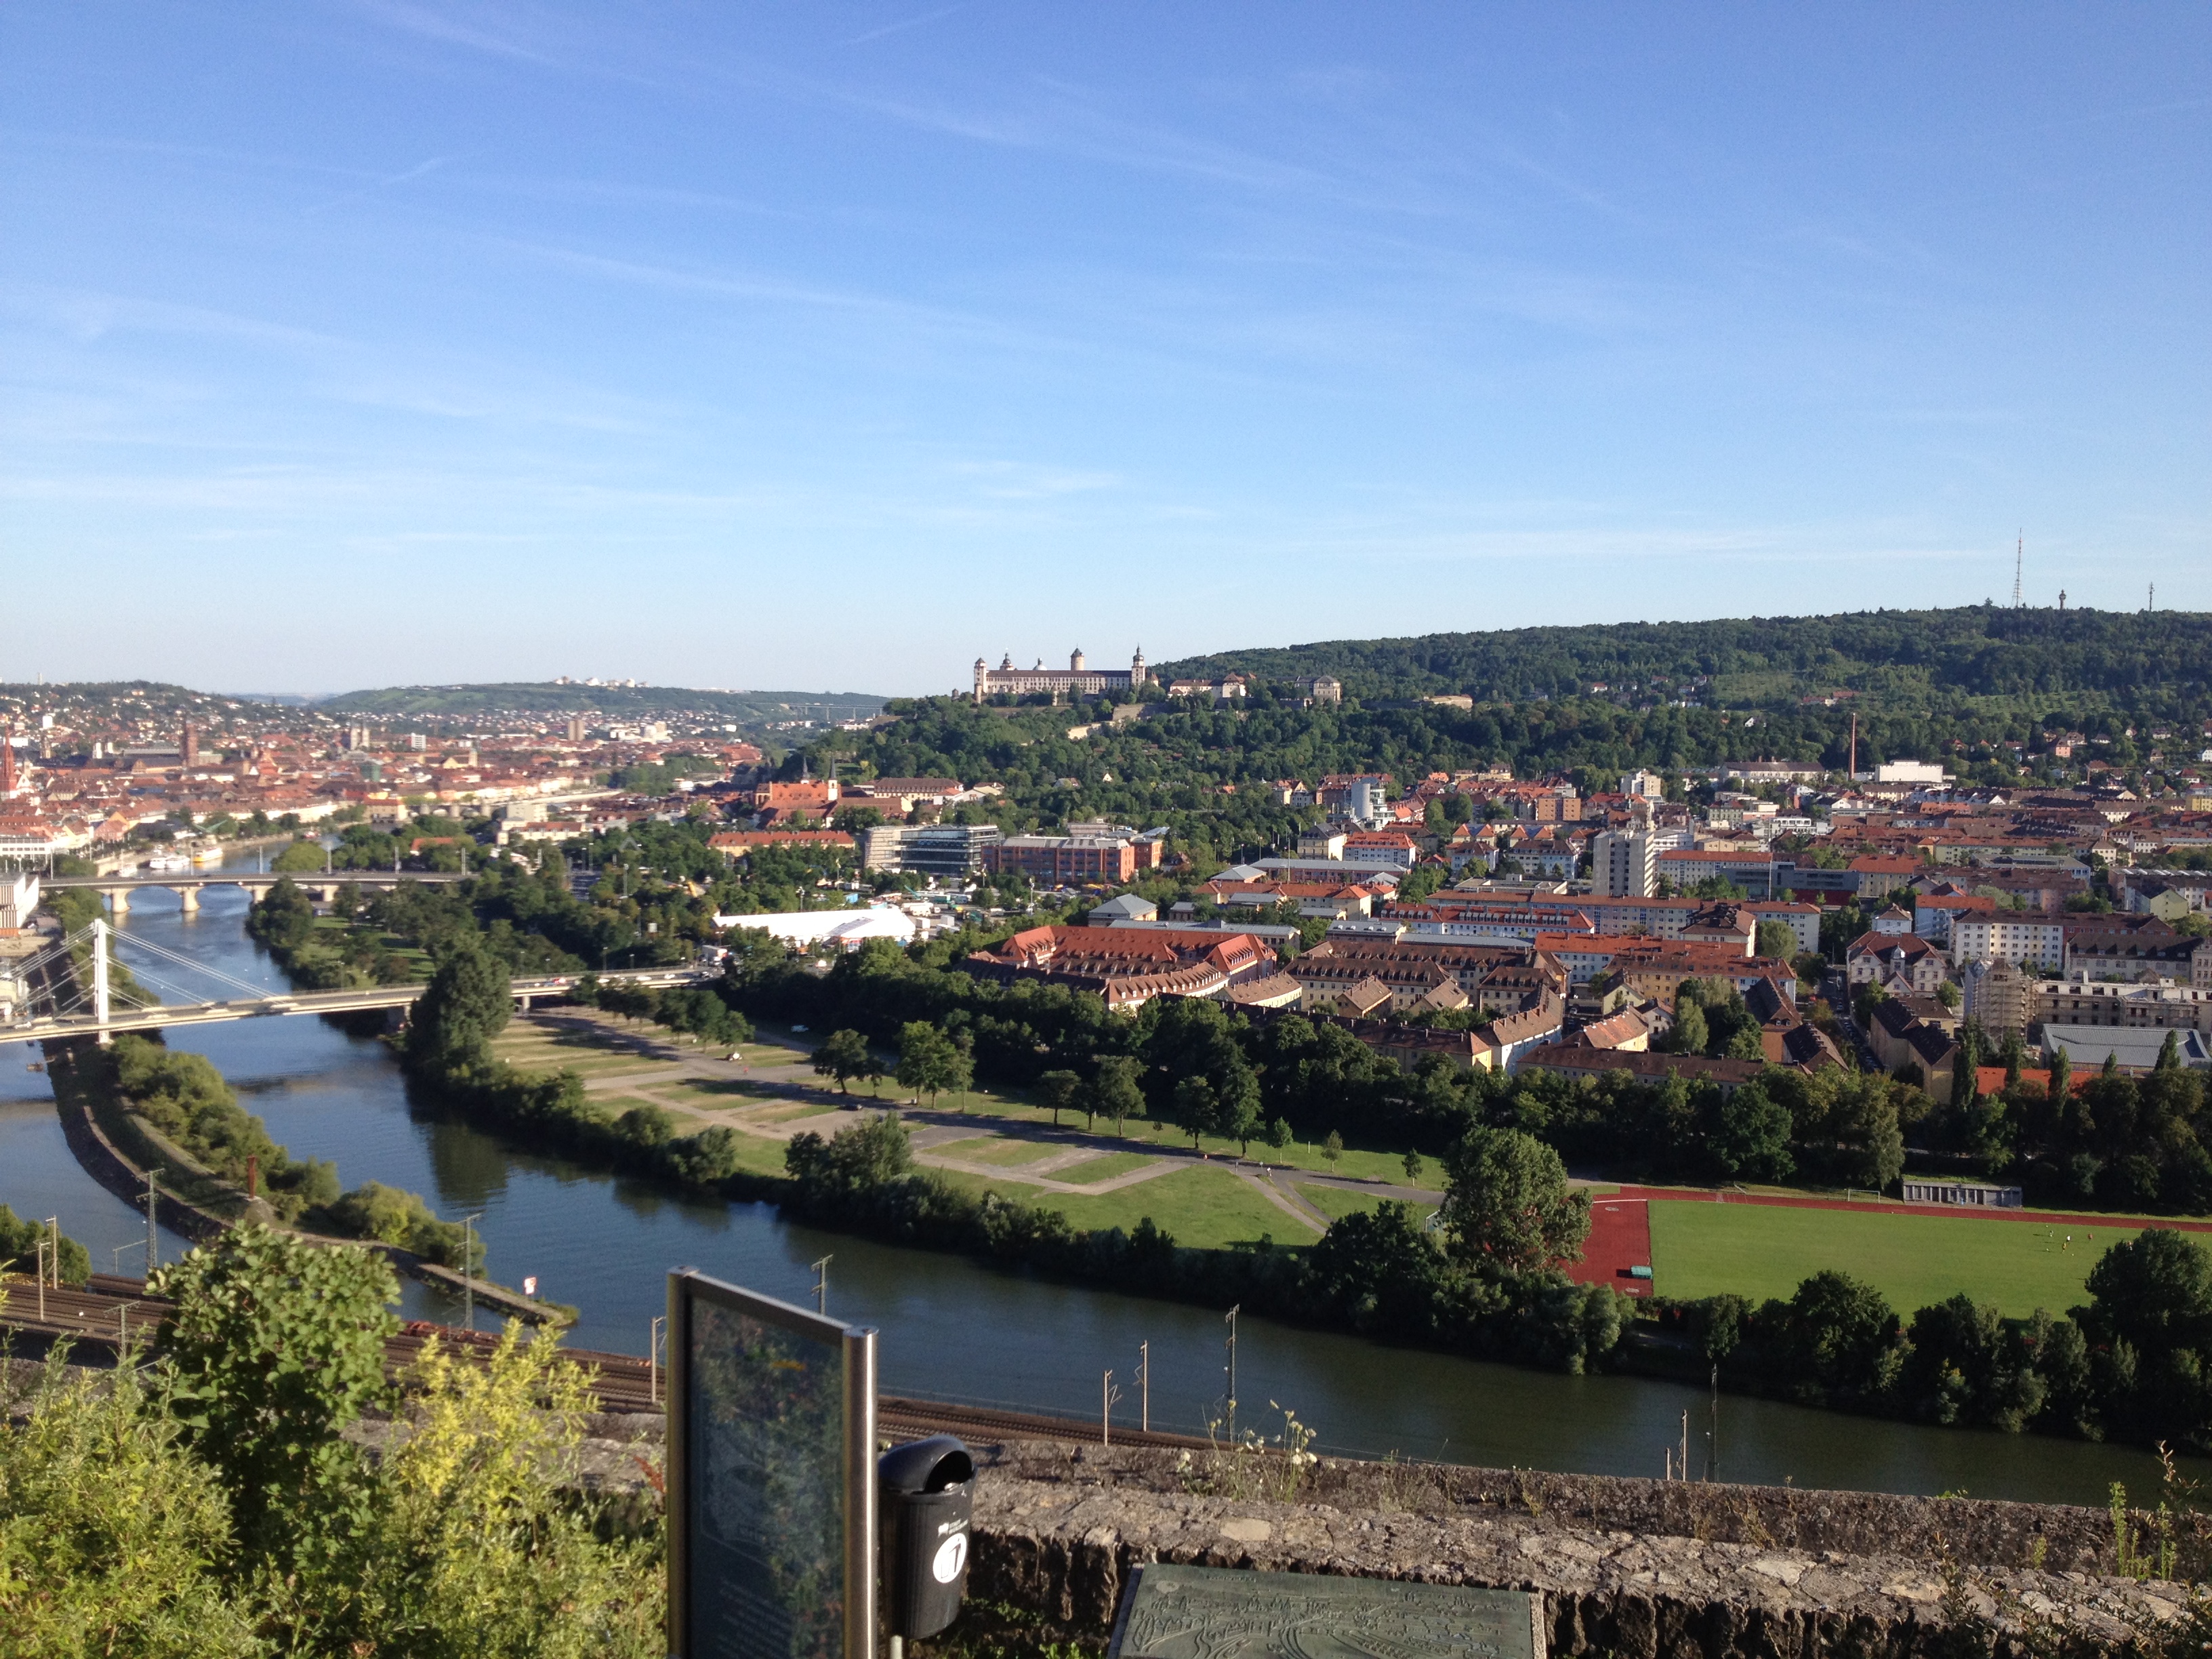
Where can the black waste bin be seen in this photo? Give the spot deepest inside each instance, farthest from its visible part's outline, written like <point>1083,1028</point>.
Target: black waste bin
<point>926,1492</point>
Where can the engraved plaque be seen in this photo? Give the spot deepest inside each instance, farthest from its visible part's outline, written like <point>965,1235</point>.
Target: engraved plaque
<point>1216,1613</point>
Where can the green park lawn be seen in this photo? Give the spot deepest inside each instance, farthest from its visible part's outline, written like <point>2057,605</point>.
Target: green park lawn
<point>1338,1202</point>
<point>1760,1250</point>
<point>999,1149</point>
<point>1105,1167</point>
<point>1206,1209</point>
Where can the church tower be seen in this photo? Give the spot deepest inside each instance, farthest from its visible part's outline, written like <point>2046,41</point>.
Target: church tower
<point>1138,677</point>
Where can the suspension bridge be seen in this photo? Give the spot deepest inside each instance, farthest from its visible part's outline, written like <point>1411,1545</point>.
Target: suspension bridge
<point>62,997</point>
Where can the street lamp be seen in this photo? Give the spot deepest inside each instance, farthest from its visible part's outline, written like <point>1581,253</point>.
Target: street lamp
<point>469,1268</point>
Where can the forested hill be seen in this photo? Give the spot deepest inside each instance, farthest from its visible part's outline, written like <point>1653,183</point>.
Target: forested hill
<point>2161,659</point>
<point>631,701</point>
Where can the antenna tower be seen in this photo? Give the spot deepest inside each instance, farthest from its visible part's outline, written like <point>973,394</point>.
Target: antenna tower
<point>2018,550</point>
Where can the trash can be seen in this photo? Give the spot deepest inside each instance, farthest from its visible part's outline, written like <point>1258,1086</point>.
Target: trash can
<point>926,1492</point>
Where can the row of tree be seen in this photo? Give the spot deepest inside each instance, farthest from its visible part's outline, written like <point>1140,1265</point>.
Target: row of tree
<point>1486,1280</point>
<point>2134,1362</point>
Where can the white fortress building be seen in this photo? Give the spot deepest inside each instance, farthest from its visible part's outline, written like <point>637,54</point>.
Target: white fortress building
<point>1076,680</point>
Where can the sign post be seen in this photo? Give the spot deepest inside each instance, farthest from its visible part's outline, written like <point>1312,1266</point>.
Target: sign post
<point>771,1478</point>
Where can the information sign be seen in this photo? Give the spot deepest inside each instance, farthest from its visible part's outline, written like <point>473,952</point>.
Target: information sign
<point>771,1478</point>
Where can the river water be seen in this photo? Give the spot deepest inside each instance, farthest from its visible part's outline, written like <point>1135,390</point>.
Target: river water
<point>952,1328</point>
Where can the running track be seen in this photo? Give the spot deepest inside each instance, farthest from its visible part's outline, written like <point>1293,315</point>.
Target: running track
<point>1619,1238</point>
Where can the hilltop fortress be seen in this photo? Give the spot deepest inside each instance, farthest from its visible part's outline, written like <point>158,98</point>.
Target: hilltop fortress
<point>1076,680</point>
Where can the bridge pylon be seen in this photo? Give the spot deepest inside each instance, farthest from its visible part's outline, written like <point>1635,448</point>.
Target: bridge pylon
<point>99,993</point>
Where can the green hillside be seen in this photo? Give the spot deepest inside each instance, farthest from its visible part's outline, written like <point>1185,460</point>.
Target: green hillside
<point>2159,662</point>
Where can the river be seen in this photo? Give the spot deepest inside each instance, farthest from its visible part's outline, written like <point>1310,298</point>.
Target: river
<point>952,1328</point>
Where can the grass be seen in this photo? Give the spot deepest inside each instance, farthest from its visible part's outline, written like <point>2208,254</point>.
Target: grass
<point>1338,1202</point>
<point>1759,1250</point>
<point>1105,1167</point>
<point>1206,1209</point>
<point>997,1149</point>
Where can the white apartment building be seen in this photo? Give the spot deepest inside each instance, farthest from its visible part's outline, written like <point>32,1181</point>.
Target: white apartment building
<point>1624,864</point>
<point>2017,936</point>
<point>1643,786</point>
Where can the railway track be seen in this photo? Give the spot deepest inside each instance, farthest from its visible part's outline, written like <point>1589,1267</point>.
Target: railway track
<point>111,1312</point>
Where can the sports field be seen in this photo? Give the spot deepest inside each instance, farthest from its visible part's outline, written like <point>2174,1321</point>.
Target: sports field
<point>1700,1248</point>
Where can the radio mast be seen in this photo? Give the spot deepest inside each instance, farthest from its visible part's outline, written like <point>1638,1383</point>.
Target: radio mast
<point>2019,549</point>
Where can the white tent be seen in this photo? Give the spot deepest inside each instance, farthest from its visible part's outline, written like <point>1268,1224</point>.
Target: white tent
<point>845,927</point>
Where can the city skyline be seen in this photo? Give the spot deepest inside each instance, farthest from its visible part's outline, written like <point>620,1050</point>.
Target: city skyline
<point>356,345</point>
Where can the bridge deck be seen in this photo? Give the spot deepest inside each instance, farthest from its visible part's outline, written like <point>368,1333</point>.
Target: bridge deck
<point>166,1016</point>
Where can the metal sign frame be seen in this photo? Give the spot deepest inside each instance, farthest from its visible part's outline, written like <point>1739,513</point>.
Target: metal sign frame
<point>686,1287</point>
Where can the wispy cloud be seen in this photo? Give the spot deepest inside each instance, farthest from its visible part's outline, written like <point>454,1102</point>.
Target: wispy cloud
<point>903,24</point>
<point>446,26</point>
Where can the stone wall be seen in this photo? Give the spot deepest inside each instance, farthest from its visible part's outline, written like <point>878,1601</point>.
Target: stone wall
<point>1624,1567</point>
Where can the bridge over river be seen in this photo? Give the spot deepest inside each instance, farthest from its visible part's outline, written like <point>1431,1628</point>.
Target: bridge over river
<point>64,1004</point>
<point>186,884</point>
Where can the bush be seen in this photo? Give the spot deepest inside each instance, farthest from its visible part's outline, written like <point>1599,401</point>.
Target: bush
<point>19,1250</point>
<point>391,1215</point>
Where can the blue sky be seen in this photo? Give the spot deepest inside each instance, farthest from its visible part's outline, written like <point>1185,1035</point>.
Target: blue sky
<point>831,345</point>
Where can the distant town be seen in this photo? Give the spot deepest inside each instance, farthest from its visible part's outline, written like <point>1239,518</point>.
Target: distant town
<point>1867,918</point>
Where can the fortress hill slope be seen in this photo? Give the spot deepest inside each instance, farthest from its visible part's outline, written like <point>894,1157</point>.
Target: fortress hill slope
<point>1883,656</point>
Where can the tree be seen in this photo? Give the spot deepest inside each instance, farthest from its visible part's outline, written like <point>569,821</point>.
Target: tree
<point>466,1004</point>
<point>2152,1291</point>
<point>278,1344</point>
<point>1966,1063</point>
<point>1059,1091</point>
<point>1507,1204</point>
<point>282,918</point>
<point>1278,1133</point>
<point>1332,1149</point>
<point>300,857</point>
<point>1413,1165</point>
<point>1689,1035</point>
<point>851,1164</point>
<point>844,1056</point>
<point>1751,1136</point>
<point>1197,1111</point>
<point>1872,1144</point>
<point>1838,1337</point>
<point>929,1061</point>
<point>19,1250</point>
<point>1778,939</point>
<point>1114,1092</point>
<point>2062,1081</point>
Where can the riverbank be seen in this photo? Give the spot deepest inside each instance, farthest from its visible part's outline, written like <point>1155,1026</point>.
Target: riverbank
<point>603,1240</point>
<point>131,1158</point>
